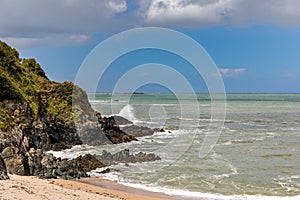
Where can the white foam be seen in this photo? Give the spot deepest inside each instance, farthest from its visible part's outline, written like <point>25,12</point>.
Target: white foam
<point>99,101</point>
<point>127,112</point>
<point>186,194</point>
<point>164,104</point>
<point>74,152</point>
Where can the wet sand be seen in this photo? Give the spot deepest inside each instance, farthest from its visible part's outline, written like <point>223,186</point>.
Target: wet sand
<point>33,188</point>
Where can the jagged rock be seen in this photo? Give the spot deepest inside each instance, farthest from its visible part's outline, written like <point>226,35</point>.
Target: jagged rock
<point>112,131</point>
<point>38,114</point>
<point>44,111</point>
<point>125,157</point>
<point>137,131</point>
<point>34,161</point>
<point>3,170</point>
<point>143,157</point>
<point>107,170</point>
<point>68,169</point>
<point>88,162</point>
<point>92,134</point>
<point>122,121</point>
<point>116,136</point>
<point>15,161</point>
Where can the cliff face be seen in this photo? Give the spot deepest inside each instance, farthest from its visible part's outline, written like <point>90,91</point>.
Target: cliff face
<point>37,112</point>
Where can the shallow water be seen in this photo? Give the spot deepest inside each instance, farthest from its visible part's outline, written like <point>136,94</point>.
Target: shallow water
<point>256,156</point>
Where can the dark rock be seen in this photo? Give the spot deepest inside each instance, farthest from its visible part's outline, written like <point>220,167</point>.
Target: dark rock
<point>37,163</point>
<point>112,131</point>
<point>15,161</point>
<point>38,114</point>
<point>88,162</point>
<point>52,167</point>
<point>122,121</point>
<point>143,157</point>
<point>3,170</point>
<point>162,130</point>
<point>137,131</point>
<point>116,136</point>
<point>107,170</point>
<point>92,134</point>
<point>125,157</point>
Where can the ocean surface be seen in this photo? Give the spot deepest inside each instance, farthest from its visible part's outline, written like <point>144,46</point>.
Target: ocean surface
<point>256,156</point>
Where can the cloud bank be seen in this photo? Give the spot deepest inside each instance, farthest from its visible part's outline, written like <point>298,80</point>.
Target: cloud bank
<point>58,22</point>
<point>228,72</point>
<point>65,22</point>
<point>198,13</point>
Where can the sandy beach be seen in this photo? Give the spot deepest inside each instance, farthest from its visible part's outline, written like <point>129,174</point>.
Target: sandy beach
<point>33,188</point>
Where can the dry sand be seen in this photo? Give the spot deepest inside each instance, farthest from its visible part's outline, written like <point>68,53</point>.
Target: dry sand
<point>33,188</point>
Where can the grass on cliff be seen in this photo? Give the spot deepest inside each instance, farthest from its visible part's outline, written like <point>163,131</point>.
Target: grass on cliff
<point>24,80</point>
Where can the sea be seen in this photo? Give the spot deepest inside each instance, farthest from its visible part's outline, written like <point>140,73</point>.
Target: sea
<point>256,155</point>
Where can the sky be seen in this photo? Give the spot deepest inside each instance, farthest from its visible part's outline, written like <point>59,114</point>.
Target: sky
<point>255,44</point>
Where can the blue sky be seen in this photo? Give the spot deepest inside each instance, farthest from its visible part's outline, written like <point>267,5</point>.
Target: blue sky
<point>255,44</point>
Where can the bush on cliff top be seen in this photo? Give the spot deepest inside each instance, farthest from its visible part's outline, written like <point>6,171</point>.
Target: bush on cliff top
<point>24,80</point>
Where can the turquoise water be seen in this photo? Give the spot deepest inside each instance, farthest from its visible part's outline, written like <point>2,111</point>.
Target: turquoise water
<point>256,156</point>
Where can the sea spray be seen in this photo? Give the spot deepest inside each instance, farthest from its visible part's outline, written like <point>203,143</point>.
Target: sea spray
<point>127,112</point>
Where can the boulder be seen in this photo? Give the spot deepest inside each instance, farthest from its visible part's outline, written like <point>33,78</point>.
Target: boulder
<point>52,167</point>
<point>88,162</point>
<point>122,121</point>
<point>113,132</point>
<point>138,131</point>
<point>15,161</point>
<point>3,170</point>
<point>125,157</point>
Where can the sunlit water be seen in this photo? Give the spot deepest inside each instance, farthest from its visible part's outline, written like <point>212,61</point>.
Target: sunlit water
<point>256,156</point>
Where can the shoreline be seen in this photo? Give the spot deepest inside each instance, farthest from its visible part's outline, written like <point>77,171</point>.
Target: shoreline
<point>115,186</point>
<point>34,188</point>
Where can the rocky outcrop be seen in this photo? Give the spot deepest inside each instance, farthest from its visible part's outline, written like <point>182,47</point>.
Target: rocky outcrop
<point>89,162</point>
<point>51,167</point>
<point>45,165</point>
<point>37,163</point>
<point>138,131</point>
<point>122,121</point>
<point>50,115</point>
<point>15,161</point>
<point>37,114</point>
<point>3,170</point>
<point>42,113</point>
<point>112,130</point>
<point>125,157</point>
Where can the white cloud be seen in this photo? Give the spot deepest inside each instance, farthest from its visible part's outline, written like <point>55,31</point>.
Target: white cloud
<point>228,72</point>
<point>22,43</point>
<point>79,39</point>
<point>199,13</point>
<point>29,21</point>
<point>186,12</point>
<point>118,6</point>
<point>34,22</point>
<point>283,12</point>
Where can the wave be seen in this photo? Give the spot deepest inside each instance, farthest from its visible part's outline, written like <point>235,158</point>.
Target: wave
<point>127,112</point>
<point>73,152</point>
<point>186,194</point>
<point>164,104</point>
<point>99,101</point>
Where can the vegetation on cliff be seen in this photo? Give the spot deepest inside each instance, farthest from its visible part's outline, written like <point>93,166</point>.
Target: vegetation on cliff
<point>37,114</point>
<point>44,113</point>
<point>23,80</point>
